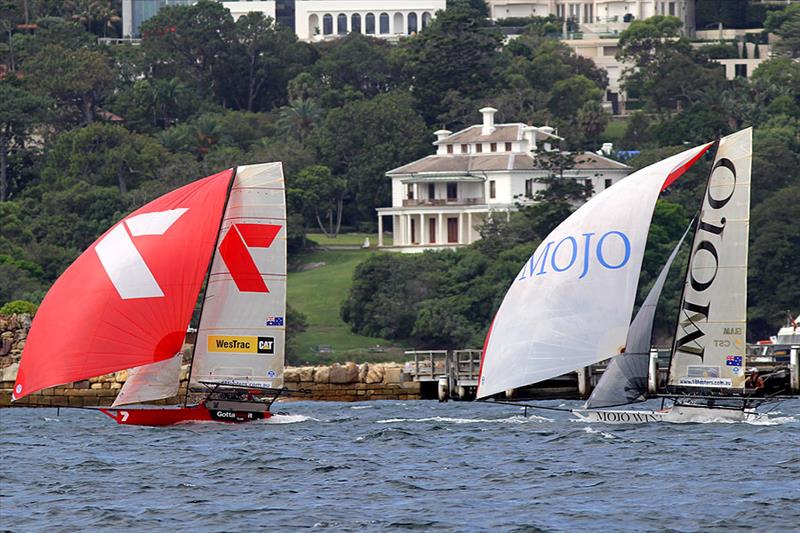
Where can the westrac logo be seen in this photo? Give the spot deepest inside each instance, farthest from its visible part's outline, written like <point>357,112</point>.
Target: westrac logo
<point>235,254</point>
<point>121,259</point>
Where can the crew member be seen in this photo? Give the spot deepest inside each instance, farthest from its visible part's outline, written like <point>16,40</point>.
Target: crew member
<point>754,381</point>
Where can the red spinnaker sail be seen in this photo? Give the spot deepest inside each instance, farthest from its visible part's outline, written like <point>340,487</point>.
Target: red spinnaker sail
<point>127,300</point>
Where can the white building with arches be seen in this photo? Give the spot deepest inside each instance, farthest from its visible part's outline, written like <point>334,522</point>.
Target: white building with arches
<point>481,171</point>
<point>323,19</point>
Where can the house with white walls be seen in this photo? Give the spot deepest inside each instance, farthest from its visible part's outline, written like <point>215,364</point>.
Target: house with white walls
<point>484,170</point>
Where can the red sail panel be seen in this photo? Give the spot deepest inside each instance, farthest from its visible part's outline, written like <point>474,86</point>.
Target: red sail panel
<point>127,300</point>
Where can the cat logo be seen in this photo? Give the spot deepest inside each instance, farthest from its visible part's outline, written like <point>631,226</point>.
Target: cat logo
<point>266,345</point>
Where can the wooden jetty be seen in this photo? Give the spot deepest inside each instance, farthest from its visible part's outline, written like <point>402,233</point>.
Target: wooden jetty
<point>453,374</point>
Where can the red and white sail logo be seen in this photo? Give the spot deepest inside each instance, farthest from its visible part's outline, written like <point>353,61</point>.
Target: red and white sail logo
<point>234,253</point>
<point>121,260</point>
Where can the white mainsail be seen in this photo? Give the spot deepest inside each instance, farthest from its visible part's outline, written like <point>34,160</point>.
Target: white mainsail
<point>151,382</point>
<point>241,334</point>
<point>571,304</point>
<point>710,338</point>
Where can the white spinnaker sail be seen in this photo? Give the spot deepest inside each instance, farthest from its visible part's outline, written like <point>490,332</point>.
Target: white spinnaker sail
<point>710,337</point>
<point>571,304</point>
<point>151,382</point>
<point>242,325</point>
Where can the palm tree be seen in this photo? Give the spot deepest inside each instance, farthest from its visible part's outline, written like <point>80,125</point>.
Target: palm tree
<point>299,118</point>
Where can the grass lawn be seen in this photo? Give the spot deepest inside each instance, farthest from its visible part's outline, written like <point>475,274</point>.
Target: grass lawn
<point>348,239</point>
<point>318,293</point>
<point>614,131</point>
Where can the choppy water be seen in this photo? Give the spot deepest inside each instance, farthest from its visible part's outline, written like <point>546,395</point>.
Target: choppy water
<point>397,466</point>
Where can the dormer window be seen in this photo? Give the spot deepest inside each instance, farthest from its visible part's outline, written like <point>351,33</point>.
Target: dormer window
<point>493,147</point>
<point>478,148</point>
<point>508,147</point>
<point>449,148</point>
<point>464,148</point>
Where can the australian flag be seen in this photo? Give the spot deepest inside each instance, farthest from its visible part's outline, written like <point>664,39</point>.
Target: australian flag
<point>733,360</point>
<point>278,321</point>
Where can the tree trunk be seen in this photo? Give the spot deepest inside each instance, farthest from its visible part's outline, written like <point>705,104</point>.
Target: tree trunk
<point>87,107</point>
<point>251,96</point>
<point>123,184</point>
<point>339,216</point>
<point>321,225</point>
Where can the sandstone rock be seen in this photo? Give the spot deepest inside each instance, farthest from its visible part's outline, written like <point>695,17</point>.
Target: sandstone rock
<point>9,373</point>
<point>393,373</point>
<point>307,373</point>
<point>81,384</point>
<point>184,372</point>
<point>121,376</point>
<point>363,369</point>
<point>116,385</point>
<point>322,374</point>
<point>291,375</point>
<point>96,386</point>
<point>347,373</point>
<point>375,373</point>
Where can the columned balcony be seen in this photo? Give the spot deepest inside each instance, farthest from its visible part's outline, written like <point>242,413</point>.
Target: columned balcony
<point>439,202</point>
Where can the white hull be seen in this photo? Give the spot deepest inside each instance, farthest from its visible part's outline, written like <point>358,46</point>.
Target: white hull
<point>679,414</point>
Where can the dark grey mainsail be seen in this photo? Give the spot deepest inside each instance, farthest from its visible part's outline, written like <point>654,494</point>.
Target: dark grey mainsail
<point>625,379</point>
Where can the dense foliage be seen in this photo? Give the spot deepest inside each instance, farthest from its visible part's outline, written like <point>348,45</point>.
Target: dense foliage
<point>89,132</point>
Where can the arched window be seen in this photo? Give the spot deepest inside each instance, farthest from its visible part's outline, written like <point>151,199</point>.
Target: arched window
<point>412,23</point>
<point>313,25</point>
<point>355,23</point>
<point>426,19</point>
<point>370,24</point>
<point>384,23</point>
<point>398,23</point>
<point>327,24</point>
<point>341,24</point>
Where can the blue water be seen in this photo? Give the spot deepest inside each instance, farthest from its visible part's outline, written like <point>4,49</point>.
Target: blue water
<point>397,466</point>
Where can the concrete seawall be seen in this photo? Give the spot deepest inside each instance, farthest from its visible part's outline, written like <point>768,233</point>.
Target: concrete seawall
<point>341,383</point>
<point>347,382</point>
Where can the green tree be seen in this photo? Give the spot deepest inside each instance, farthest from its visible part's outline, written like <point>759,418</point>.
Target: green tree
<point>20,112</point>
<point>81,78</point>
<point>786,25</point>
<point>322,196</point>
<point>362,140</point>
<point>299,118</point>
<point>456,52</point>
<point>105,155</point>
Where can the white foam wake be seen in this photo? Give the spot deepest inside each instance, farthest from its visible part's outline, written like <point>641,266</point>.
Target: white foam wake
<point>288,419</point>
<point>449,420</point>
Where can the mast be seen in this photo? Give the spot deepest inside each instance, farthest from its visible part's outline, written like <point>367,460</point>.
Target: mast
<point>205,284</point>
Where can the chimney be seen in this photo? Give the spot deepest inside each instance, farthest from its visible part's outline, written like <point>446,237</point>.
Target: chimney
<point>442,134</point>
<point>488,120</point>
<point>529,133</point>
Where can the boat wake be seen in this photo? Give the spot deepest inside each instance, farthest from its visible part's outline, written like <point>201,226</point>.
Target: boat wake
<point>288,419</point>
<point>510,420</point>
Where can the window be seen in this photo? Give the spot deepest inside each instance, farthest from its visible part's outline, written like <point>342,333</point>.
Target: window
<point>587,182</point>
<point>508,147</point>
<point>398,23</point>
<point>452,191</point>
<point>410,191</point>
<point>426,19</point>
<point>431,191</point>
<point>327,25</point>
<point>355,23</point>
<point>607,183</point>
<point>529,187</point>
<point>384,21</point>
<point>370,24</point>
<point>449,148</point>
<point>463,148</point>
<point>412,23</point>
<point>341,24</point>
<point>478,148</point>
<point>492,189</point>
<point>560,11</point>
<point>672,8</point>
<point>493,147</point>
<point>740,71</point>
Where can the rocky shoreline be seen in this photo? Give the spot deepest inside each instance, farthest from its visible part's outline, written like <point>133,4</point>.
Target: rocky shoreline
<point>348,382</point>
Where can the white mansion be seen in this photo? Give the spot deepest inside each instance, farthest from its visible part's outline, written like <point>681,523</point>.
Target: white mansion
<point>478,172</point>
